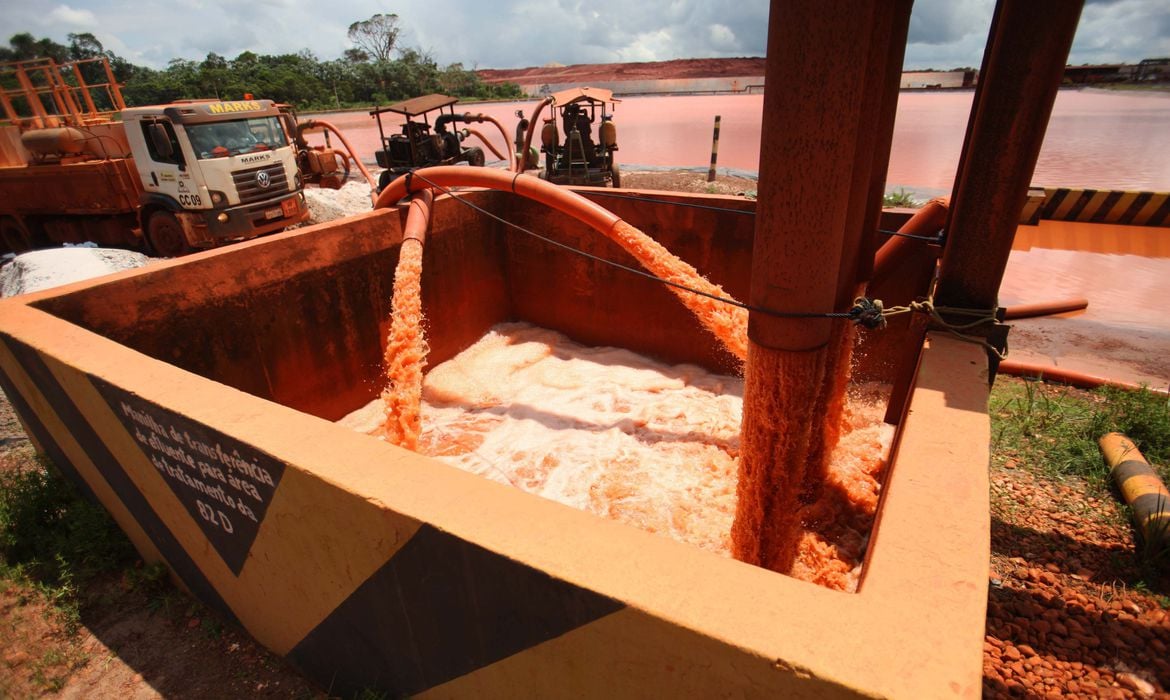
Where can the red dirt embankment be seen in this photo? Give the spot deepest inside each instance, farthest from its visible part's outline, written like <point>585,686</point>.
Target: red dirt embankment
<point>656,70</point>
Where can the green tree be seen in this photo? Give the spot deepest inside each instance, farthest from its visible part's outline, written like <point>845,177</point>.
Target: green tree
<point>376,36</point>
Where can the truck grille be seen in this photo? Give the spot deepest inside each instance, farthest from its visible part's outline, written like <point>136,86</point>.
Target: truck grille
<point>248,184</point>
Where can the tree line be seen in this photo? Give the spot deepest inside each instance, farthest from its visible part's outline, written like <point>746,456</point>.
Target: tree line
<point>375,71</point>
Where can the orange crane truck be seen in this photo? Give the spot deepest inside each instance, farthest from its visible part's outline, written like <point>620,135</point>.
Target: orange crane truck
<point>170,179</point>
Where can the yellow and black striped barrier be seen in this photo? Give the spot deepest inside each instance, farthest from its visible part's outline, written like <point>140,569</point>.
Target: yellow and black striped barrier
<point>1097,206</point>
<point>1140,487</point>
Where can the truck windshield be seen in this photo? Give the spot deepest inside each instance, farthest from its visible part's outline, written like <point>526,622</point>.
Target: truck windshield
<point>223,139</point>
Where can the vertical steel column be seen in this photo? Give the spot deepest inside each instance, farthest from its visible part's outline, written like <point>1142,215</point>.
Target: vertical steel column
<point>1022,70</point>
<point>827,99</point>
<point>829,108</point>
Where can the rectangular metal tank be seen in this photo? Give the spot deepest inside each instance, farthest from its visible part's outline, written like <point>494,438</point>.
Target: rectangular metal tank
<point>194,399</point>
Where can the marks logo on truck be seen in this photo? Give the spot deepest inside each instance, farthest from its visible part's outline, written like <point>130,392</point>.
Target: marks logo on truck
<point>190,200</point>
<point>233,107</point>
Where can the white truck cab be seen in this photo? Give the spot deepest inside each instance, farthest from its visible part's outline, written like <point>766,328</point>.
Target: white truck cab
<point>213,172</point>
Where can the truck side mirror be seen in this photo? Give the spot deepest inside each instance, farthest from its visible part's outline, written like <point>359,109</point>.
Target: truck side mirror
<point>162,142</point>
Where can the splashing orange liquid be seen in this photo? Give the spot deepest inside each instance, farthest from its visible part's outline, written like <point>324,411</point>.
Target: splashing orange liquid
<point>794,513</point>
<point>728,323</point>
<point>406,350</point>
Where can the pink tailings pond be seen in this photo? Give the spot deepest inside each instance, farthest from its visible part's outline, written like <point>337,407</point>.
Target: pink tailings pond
<point>1096,138</point>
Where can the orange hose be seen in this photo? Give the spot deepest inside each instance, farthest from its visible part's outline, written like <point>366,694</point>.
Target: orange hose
<point>927,221</point>
<point>531,130</point>
<point>727,323</point>
<point>1065,376</point>
<point>487,143</point>
<point>316,123</point>
<point>1047,308</point>
<point>503,132</point>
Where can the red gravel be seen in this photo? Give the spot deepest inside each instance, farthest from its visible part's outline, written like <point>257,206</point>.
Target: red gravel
<point>1069,613</point>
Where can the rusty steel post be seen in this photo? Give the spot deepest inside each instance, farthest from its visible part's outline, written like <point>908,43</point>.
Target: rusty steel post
<point>1022,70</point>
<point>892,53</point>
<point>822,109</point>
<point>828,92</point>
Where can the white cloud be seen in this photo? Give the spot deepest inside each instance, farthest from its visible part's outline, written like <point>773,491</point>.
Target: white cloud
<point>517,33</point>
<point>721,37</point>
<point>73,18</point>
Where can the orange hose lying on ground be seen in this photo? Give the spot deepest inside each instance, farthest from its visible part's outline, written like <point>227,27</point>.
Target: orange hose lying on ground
<point>728,323</point>
<point>1047,308</point>
<point>1065,376</point>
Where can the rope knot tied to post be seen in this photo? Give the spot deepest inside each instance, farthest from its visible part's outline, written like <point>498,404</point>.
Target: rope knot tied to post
<point>868,313</point>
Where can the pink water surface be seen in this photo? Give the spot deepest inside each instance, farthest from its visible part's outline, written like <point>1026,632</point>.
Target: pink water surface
<point>1096,139</point>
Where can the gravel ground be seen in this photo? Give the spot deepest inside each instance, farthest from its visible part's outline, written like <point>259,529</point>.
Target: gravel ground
<point>1071,609</point>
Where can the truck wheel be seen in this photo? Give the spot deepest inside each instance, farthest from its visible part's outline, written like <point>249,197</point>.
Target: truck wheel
<point>164,236</point>
<point>475,156</point>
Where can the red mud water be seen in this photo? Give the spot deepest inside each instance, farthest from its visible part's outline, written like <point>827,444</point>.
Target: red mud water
<point>1124,333</point>
<point>1097,139</point>
<point>782,516</point>
<point>624,437</point>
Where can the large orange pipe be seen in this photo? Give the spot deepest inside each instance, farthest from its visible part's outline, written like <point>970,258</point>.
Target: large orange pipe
<point>318,124</point>
<point>726,322</point>
<point>927,221</point>
<point>563,200</point>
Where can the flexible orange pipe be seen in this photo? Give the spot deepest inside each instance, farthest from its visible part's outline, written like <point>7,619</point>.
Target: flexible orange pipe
<point>468,116</point>
<point>927,221</point>
<point>487,143</point>
<point>1047,308</point>
<point>531,130</point>
<point>563,200</point>
<point>316,123</point>
<point>726,322</point>
<point>1065,376</point>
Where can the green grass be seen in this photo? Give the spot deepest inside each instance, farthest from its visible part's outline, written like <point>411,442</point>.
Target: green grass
<point>901,198</point>
<point>54,540</point>
<point>1057,428</point>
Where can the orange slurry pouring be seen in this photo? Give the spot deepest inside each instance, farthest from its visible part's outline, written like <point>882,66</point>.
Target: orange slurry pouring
<point>728,323</point>
<point>406,347</point>
<point>406,351</point>
<point>784,489</point>
<point>651,445</point>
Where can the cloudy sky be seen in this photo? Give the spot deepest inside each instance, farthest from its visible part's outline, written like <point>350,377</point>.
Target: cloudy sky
<point>517,33</point>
